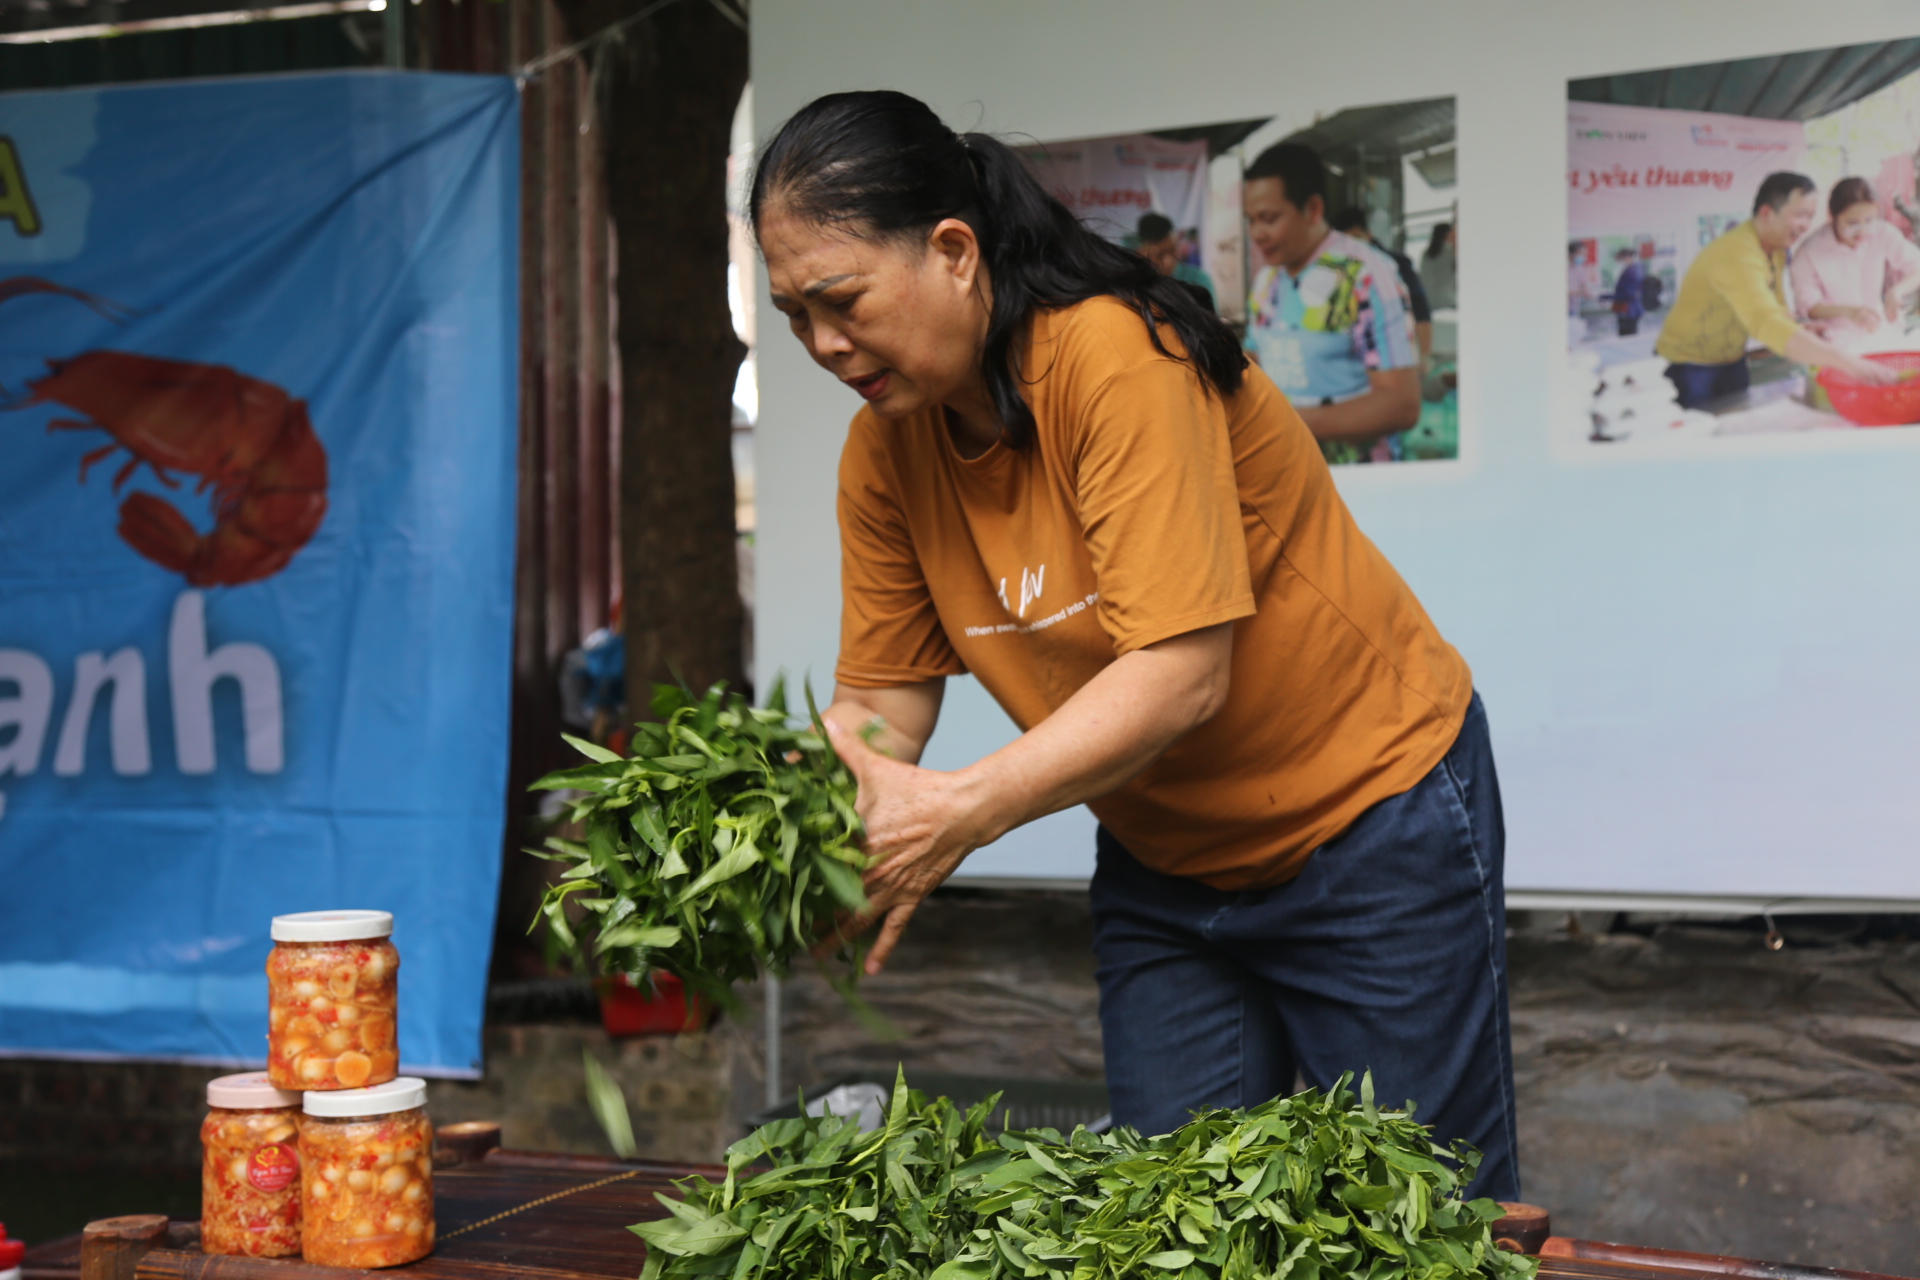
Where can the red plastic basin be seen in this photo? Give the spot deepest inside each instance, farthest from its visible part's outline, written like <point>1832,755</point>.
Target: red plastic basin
<point>1865,406</point>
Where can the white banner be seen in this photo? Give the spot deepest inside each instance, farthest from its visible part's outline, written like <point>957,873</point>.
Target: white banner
<point>1110,182</point>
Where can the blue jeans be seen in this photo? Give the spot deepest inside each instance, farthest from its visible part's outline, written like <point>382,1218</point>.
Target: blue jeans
<point>1700,383</point>
<point>1388,952</point>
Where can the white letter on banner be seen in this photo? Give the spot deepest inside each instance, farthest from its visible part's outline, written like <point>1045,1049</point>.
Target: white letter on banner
<point>28,710</point>
<point>127,672</point>
<point>192,671</point>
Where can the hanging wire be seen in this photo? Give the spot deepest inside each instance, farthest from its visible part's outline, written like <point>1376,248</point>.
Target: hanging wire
<point>734,11</point>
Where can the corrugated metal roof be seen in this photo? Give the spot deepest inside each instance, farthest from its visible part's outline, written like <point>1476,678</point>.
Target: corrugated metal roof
<point>1396,127</point>
<point>1788,86</point>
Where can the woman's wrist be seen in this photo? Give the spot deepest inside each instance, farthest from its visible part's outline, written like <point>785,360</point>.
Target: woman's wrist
<point>983,806</point>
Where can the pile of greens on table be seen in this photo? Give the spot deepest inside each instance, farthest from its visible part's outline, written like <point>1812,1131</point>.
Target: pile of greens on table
<point>725,844</point>
<point>1312,1187</point>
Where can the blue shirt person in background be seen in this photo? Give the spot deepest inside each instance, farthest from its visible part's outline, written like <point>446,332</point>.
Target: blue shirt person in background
<point>1328,318</point>
<point>1163,245</point>
<point>1629,293</point>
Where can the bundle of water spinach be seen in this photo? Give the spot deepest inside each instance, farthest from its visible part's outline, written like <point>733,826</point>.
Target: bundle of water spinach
<point>724,844</point>
<point>1312,1187</point>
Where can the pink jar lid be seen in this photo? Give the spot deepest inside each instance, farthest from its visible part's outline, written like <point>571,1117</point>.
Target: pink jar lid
<point>249,1091</point>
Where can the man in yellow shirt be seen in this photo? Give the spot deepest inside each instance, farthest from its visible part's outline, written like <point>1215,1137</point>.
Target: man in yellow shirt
<point>1735,292</point>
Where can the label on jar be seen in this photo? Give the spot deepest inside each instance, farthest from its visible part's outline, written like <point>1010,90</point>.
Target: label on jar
<point>273,1167</point>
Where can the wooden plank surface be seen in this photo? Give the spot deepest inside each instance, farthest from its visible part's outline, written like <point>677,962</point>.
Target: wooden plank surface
<point>579,1233</point>
<point>556,1217</point>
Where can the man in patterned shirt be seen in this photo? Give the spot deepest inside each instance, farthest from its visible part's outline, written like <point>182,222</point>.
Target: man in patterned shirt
<point>1328,318</point>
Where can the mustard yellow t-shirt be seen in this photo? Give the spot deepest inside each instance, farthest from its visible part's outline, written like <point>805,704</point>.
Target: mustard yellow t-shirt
<point>1147,508</point>
<point>1733,291</point>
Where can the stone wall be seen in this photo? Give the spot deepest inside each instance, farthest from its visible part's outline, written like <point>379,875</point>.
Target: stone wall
<point>1695,1090</point>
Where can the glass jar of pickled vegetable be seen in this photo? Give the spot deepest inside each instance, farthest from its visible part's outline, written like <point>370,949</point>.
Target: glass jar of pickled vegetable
<point>332,1000</point>
<point>250,1169</point>
<point>366,1172</point>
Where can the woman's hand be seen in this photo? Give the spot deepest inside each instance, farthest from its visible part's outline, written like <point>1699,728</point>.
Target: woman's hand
<point>921,824</point>
<point>1867,317</point>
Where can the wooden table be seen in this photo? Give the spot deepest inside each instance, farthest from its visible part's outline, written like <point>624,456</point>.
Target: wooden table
<point>552,1217</point>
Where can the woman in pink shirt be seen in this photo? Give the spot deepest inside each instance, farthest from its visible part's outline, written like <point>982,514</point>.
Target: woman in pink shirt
<point>1854,274</point>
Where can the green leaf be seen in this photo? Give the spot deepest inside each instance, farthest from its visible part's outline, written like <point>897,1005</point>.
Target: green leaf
<point>1170,1260</point>
<point>591,751</point>
<point>609,1107</point>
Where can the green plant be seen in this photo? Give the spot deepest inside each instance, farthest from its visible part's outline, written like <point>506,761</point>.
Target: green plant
<point>723,845</point>
<point>1312,1187</point>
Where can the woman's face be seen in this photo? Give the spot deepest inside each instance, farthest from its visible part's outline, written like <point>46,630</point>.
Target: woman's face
<point>1853,221</point>
<point>902,323</point>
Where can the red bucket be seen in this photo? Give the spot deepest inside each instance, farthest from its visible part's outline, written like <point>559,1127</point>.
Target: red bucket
<point>1865,406</point>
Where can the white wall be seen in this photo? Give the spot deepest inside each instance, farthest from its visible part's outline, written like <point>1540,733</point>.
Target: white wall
<point>1703,669</point>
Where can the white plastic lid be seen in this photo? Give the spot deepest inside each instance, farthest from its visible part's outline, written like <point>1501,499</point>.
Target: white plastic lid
<point>249,1091</point>
<point>402,1094</point>
<point>332,926</point>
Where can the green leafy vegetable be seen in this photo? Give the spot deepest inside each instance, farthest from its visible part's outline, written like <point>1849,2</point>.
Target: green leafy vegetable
<point>1312,1187</point>
<point>724,845</point>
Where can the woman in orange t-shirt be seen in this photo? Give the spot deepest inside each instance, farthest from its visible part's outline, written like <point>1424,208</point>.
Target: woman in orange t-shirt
<point>1067,482</point>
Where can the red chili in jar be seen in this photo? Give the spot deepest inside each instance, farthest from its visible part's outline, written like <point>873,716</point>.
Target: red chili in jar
<point>250,1169</point>
<point>332,1000</point>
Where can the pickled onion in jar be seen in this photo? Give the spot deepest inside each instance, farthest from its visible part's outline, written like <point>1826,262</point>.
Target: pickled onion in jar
<point>250,1169</point>
<point>367,1175</point>
<point>333,1000</point>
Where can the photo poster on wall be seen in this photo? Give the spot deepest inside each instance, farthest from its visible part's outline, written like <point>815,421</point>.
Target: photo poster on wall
<point>1663,170</point>
<point>1375,299</point>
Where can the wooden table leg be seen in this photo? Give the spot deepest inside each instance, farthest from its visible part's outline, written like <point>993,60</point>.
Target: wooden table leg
<point>111,1248</point>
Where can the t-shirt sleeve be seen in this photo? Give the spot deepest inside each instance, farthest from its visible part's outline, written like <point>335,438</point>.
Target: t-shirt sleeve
<point>1903,256</point>
<point>1742,281</point>
<point>1383,329</point>
<point>1808,289</point>
<point>890,631</point>
<point>1159,507</point>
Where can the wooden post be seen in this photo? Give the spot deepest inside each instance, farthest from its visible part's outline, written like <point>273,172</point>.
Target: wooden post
<point>111,1248</point>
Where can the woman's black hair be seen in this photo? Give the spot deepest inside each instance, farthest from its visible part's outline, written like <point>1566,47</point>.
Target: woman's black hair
<point>880,165</point>
<point>1847,193</point>
<point>1438,240</point>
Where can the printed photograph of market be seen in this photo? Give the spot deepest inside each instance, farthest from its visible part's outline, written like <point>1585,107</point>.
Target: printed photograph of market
<point>1743,247</point>
<point>1326,239</point>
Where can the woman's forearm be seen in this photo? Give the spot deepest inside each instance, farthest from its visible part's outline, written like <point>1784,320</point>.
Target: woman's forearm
<point>902,717</point>
<point>1115,726</point>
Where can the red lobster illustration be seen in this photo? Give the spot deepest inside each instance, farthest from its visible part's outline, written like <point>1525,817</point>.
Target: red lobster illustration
<point>247,439</point>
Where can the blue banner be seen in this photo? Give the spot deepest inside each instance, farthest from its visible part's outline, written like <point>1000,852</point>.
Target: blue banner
<point>257,436</point>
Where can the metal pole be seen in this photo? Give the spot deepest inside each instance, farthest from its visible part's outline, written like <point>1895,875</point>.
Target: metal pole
<point>395,32</point>
<point>774,1093</point>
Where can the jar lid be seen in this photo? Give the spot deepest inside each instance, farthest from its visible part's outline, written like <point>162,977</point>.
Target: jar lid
<point>332,926</point>
<point>249,1091</point>
<point>402,1094</point>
